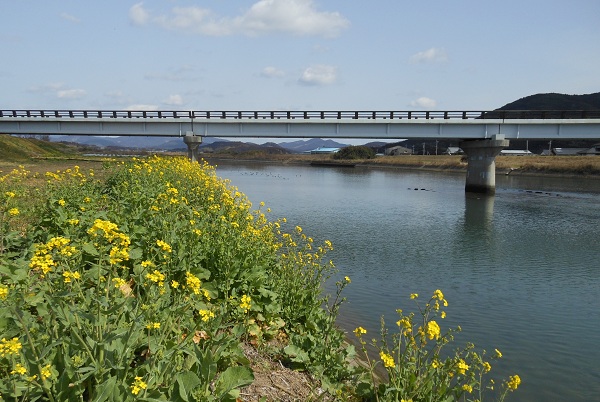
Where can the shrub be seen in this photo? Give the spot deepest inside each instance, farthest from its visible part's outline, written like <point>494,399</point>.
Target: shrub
<point>355,152</point>
<point>145,285</point>
<point>419,368</point>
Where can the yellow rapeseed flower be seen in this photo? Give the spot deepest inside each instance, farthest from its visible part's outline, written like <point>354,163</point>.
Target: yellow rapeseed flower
<point>486,367</point>
<point>13,211</point>
<point>46,373</point>
<point>164,246</point>
<point>468,388</point>
<point>19,369</point>
<point>414,295</point>
<point>118,282</point>
<point>388,360</point>
<point>3,292</point>
<point>245,303</point>
<point>156,277</point>
<point>10,347</point>
<point>138,385</point>
<point>462,367</point>
<point>68,275</point>
<point>360,331</point>
<point>347,279</point>
<point>193,282</point>
<point>206,315</point>
<point>513,382</point>
<point>433,330</point>
<point>498,353</point>
<point>153,325</point>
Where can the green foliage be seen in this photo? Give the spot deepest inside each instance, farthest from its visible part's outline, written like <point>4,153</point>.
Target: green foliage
<point>145,285</point>
<point>419,368</point>
<point>355,152</point>
<point>23,149</point>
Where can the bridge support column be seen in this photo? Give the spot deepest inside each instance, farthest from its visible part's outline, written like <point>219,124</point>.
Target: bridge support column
<point>481,168</point>
<point>193,142</point>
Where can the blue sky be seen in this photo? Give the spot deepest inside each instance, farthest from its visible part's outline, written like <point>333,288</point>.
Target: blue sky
<point>294,54</point>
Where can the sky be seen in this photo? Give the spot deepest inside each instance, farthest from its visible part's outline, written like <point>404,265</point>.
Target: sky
<point>294,54</point>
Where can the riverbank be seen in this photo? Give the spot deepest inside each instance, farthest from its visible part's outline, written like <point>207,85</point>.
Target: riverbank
<point>559,166</point>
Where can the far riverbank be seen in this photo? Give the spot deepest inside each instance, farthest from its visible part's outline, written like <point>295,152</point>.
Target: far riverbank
<point>559,166</point>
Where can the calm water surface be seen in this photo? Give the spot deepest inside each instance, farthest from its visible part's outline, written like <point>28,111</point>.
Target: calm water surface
<point>521,270</point>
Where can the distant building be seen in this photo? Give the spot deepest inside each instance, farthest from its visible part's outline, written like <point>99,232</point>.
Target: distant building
<point>324,150</point>
<point>397,150</point>
<point>454,151</point>
<point>567,151</point>
<point>516,152</point>
<point>594,150</point>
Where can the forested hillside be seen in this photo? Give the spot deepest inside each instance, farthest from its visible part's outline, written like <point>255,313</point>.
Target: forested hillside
<point>554,101</point>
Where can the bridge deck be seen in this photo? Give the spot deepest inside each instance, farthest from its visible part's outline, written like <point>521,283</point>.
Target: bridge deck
<point>526,124</point>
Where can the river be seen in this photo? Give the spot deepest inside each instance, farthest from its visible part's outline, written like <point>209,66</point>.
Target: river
<point>520,270</point>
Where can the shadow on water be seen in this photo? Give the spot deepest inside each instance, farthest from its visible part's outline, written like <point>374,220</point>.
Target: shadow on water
<point>479,213</point>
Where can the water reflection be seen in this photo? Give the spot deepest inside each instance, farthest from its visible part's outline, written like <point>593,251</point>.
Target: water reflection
<point>479,212</point>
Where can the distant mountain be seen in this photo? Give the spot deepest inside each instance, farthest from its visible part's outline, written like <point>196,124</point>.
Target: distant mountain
<point>209,144</point>
<point>237,147</point>
<point>138,142</point>
<point>555,101</point>
<point>308,145</point>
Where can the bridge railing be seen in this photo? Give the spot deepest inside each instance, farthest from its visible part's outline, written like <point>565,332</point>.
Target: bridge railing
<point>312,115</point>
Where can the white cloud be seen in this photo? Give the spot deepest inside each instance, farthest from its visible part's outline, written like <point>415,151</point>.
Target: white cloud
<point>272,72</point>
<point>298,17</point>
<point>70,93</point>
<point>424,102</point>
<point>319,75</point>
<point>174,100</point>
<point>138,14</point>
<point>142,107</point>
<point>433,55</point>
<point>45,88</point>
<point>58,89</point>
<point>69,17</point>
<point>178,74</point>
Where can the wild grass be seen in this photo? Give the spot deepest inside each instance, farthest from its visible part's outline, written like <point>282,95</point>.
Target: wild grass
<point>142,282</point>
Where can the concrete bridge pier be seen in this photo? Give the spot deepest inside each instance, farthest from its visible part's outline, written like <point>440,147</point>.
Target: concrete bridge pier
<point>193,142</point>
<point>481,168</point>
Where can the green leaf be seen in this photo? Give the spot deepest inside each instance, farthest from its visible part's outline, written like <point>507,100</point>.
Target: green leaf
<point>90,249</point>
<point>105,389</point>
<point>208,367</point>
<point>296,354</point>
<point>233,377</point>
<point>136,253</point>
<point>186,382</point>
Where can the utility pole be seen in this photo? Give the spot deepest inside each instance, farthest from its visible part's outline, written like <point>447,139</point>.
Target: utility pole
<point>436,145</point>
<point>423,148</point>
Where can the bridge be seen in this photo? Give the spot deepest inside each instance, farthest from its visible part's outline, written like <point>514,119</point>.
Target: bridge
<point>483,134</point>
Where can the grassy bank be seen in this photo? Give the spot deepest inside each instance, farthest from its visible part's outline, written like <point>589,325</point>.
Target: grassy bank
<point>153,279</point>
<point>585,166</point>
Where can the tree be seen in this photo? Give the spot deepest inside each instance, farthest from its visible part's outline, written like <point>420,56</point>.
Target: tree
<point>355,152</point>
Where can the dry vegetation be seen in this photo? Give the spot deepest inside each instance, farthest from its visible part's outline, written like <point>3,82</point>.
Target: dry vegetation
<point>556,165</point>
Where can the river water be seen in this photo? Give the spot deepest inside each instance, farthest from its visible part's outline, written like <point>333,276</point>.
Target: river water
<point>520,270</point>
